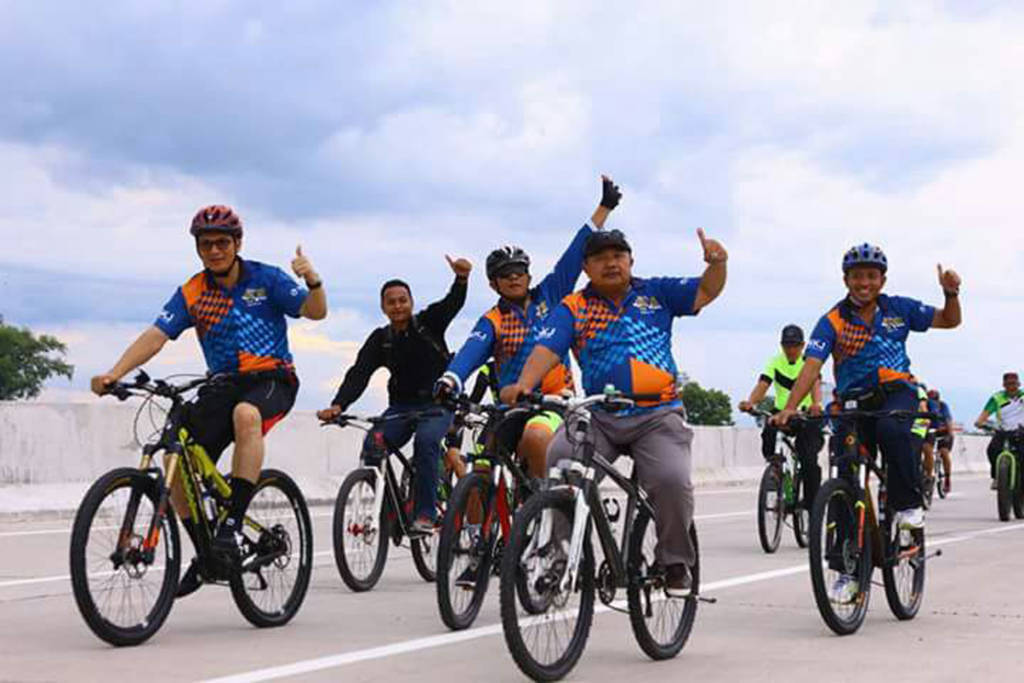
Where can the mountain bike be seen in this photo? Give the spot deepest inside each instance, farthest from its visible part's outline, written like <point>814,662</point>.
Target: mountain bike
<point>478,522</point>
<point>125,551</point>
<point>546,629</point>
<point>781,495</point>
<point>846,537</point>
<point>1009,481</point>
<point>375,505</point>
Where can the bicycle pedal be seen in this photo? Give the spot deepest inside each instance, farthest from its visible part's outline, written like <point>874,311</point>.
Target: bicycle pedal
<point>936,553</point>
<point>710,601</point>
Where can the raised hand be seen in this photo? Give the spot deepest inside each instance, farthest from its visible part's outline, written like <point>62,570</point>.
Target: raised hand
<point>610,193</point>
<point>949,280</point>
<point>303,268</point>
<point>714,252</point>
<point>328,413</point>
<point>461,267</point>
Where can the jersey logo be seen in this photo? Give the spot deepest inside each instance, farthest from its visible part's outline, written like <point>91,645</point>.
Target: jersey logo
<point>816,344</point>
<point>254,296</point>
<point>166,316</point>
<point>478,335</point>
<point>647,304</point>
<point>546,333</point>
<point>542,309</point>
<point>893,323</point>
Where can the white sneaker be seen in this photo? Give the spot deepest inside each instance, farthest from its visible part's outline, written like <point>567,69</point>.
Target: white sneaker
<point>844,590</point>
<point>910,520</point>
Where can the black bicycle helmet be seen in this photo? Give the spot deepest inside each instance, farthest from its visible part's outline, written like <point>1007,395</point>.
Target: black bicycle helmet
<point>503,257</point>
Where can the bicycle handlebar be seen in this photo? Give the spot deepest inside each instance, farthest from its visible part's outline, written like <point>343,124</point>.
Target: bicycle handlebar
<point>141,384</point>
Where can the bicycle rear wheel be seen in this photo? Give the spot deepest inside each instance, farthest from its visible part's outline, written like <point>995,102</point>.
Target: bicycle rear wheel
<point>800,512</point>
<point>123,593</point>
<point>660,624</point>
<point>465,551</point>
<point>1004,494</point>
<point>940,477</point>
<point>546,646</point>
<point>277,552</point>
<point>903,574</point>
<point>360,542</point>
<point>770,509</point>
<point>836,521</point>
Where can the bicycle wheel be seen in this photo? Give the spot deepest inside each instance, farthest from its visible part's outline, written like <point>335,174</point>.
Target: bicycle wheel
<point>903,574</point>
<point>801,515</point>
<point>770,509</point>
<point>277,552</point>
<point>1003,484</point>
<point>546,646</point>
<point>466,549</point>
<point>660,624</point>
<point>833,548</point>
<point>940,477</point>
<point>123,593</point>
<point>360,542</point>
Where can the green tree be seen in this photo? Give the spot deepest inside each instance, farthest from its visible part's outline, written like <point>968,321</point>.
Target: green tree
<point>26,361</point>
<point>706,406</point>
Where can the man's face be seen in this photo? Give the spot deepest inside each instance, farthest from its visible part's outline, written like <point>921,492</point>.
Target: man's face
<point>864,283</point>
<point>396,302</point>
<point>1011,383</point>
<point>217,251</point>
<point>512,283</point>
<point>793,351</point>
<point>610,268</point>
<point>933,394</point>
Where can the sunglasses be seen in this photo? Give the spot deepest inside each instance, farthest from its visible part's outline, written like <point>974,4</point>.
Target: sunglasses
<point>511,271</point>
<point>220,244</point>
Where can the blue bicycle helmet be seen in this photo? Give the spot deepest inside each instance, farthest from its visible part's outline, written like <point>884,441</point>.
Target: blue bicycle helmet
<point>865,255</point>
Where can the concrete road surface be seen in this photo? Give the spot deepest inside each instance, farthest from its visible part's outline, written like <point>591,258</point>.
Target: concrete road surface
<point>765,626</point>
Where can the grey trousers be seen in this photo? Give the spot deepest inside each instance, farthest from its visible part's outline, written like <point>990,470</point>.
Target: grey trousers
<point>659,443</point>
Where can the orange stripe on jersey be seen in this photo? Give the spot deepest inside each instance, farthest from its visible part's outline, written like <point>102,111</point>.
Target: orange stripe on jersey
<point>850,337</point>
<point>648,379</point>
<point>590,316</point>
<point>886,375</point>
<point>248,362</point>
<point>558,379</point>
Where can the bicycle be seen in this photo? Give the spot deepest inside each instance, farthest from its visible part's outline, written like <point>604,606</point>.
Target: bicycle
<point>1009,482</point>
<point>557,573</point>
<point>125,535</point>
<point>846,537</point>
<point>375,504</point>
<point>941,475</point>
<point>781,495</point>
<point>478,522</point>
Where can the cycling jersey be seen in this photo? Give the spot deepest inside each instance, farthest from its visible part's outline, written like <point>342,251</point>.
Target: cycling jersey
<point>780,371</point>
<point>241,329</point>
<point>864,355</point>
<point>1009,410</point>
<point>628,345</point>
<point>508,333</point>
<point>922,424</point>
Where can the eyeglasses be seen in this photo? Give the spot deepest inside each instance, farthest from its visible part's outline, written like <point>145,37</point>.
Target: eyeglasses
<point>220,244</point>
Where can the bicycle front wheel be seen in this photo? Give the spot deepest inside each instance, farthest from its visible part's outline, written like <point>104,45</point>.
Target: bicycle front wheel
<point>800,512</point>
<point>840,564</point>
<point>547,639</point>
<point>123,590</point>
<point>903,573</point>
<point>770,507</point>
<point>465,551</point>
<point>277,552</point>
<point>360,540</point>
<point>660,624</point>
<point>1004,494</point>
<point>940,477</point>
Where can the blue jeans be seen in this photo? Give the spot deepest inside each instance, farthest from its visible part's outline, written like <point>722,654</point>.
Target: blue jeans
<point>426,448</point>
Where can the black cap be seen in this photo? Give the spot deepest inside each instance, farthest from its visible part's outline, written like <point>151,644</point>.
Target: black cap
<point>600,240</point>
<point>792,334</point>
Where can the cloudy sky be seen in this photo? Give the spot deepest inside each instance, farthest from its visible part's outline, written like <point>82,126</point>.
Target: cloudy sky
<point>381,136</point>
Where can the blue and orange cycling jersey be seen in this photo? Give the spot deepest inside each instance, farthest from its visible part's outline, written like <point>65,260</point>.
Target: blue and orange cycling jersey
<point>628,345</point>
<point>508,333</point>
<point>865,356</point>
<point>241,329</point>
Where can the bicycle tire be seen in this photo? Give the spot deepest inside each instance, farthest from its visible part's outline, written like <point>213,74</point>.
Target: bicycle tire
<point>148,624</point>
<point>450,548</point>
<point>940,477</point>
<point>770,515</point>
<point>837,497</point>
<point>560,501</point>
<point>345,528</point>
<point>904,589</point>
<point>801,514</point>
<point>280,543</point>
<point>1003,493</point>
<point>640,602</point>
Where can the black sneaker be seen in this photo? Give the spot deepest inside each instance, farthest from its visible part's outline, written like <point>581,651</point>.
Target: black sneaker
<point>191,581</point>
<point>678,583</point>
<point>224,548</point>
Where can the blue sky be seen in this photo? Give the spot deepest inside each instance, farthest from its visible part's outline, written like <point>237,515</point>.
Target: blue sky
<point>383,135</point>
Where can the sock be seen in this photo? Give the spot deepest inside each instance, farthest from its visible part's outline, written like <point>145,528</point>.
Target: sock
<point>241,493</point>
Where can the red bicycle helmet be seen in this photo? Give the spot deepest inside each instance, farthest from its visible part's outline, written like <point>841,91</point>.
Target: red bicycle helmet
<point>216,218</point>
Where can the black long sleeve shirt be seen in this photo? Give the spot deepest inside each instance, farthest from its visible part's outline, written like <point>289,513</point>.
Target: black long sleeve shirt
<point>417,357</point>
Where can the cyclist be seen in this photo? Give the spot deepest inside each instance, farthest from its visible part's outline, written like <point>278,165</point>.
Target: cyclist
<point>620,330</point>
<point>485,384</point>
<point>508,331</point>
<point>413,349</point>
<point>866,334</point>
<point>922,440</point>
<point>943,432</point>
<point>238,308</point>
<point>1008,407</point>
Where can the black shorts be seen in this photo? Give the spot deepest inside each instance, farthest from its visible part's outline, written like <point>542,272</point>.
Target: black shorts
<point>945,441</point>
<point>210,417</point>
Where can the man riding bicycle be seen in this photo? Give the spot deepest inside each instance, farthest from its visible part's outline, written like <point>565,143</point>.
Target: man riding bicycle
<point>943,434</point>
<point>782,370</point>
<point>620,330</point>
<point>508,331</point>
<point>866,335</point>
<point>413,349</point>
<point>238,308</point>
<point>1008,407</point>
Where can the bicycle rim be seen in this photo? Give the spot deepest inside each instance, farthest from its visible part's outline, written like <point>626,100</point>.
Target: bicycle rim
<point>770,507</point>
<point>360,539</point>
<point>465,551</point>
<point>903,575</point>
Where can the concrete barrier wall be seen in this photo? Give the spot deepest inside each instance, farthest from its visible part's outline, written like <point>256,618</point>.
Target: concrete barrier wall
<point>50,453</point>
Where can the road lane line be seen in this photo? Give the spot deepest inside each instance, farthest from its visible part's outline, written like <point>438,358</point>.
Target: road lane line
<point>404,647</point>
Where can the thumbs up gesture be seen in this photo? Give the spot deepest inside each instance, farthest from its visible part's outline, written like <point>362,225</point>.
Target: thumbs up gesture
<point>714,252</point>
<point>460,266</point>
<point>303,268</point>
